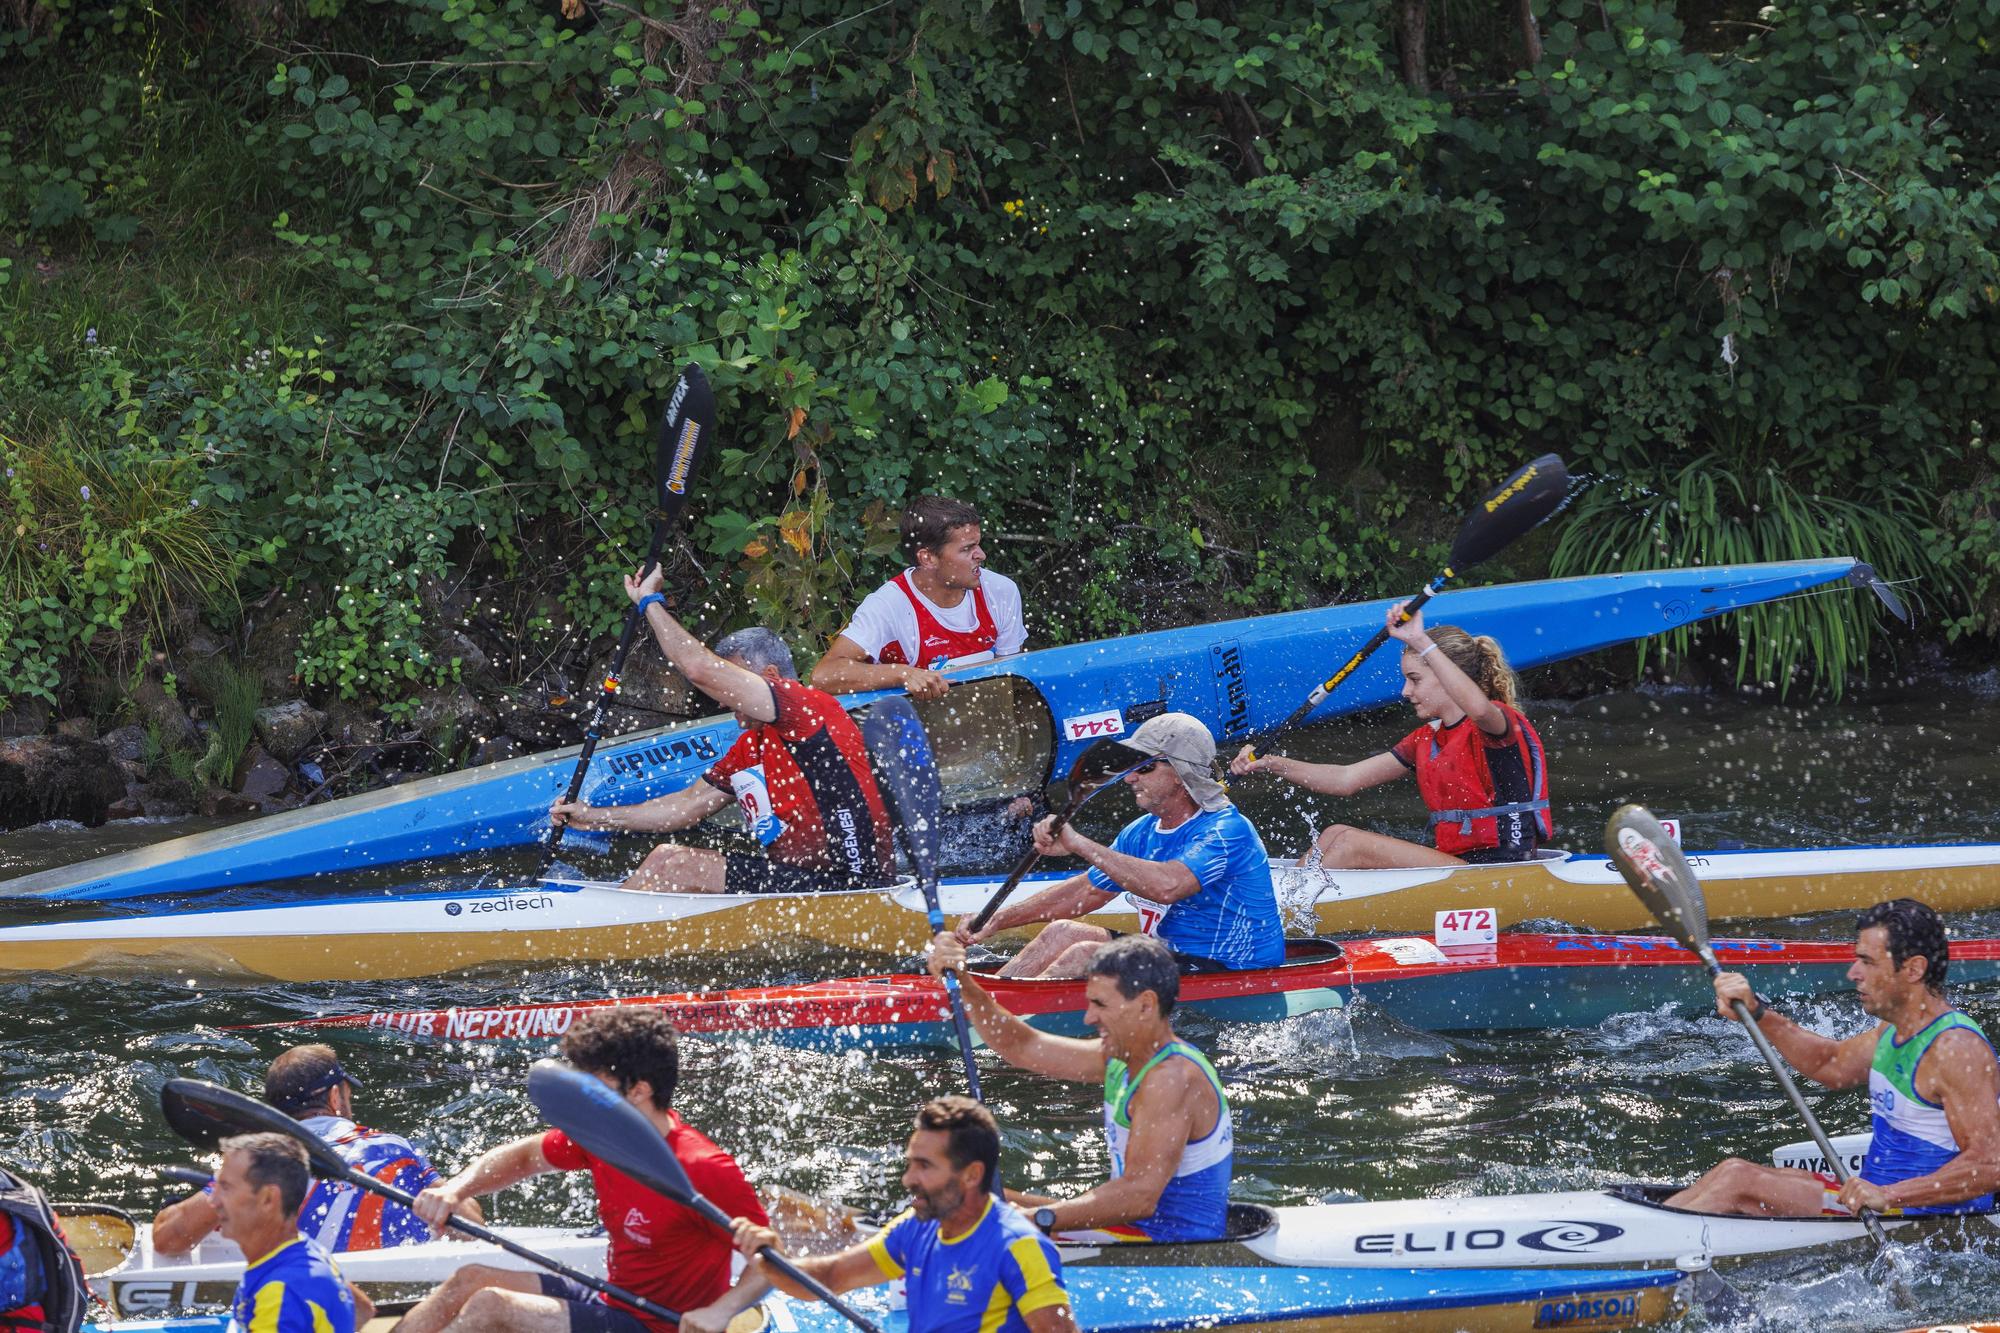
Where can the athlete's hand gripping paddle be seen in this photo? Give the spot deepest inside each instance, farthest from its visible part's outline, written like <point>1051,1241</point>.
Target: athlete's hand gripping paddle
<point>683,434</point>
<point>204,1114</point>
<point>1658,871</point>
<point>900,753</point>
<point>614,1131</point>
<point>1097,768</point>
<point>1517,504</point>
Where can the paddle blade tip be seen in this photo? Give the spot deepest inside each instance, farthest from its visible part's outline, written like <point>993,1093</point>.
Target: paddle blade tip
<point>1658,872</point>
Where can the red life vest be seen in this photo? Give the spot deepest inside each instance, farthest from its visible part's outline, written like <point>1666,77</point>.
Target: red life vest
<point>937,644</point>
<point>1483,791</point>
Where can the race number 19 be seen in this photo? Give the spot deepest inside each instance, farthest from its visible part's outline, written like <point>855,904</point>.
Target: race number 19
<point>1466,925</point>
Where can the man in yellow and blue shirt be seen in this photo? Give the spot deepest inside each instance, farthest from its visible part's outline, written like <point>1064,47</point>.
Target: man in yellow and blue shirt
<point>291,1285</point>
<point>970,1262</point>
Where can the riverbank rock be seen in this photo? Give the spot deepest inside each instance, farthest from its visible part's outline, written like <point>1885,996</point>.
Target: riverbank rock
<point>24,717</point>
<point>126,744</point>
<point>57,777</point>
<point>162,714</point>
<point>286,729</point>
<point>263,779</point>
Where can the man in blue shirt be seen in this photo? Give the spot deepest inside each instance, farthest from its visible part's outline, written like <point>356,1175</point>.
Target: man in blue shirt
<point>971,1263</point>
<point>1192,865</point>
<point>291,1285</point>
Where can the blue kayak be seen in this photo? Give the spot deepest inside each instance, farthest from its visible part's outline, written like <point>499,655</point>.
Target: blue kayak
<point>1007,726</point>
<point>1128,1300</point>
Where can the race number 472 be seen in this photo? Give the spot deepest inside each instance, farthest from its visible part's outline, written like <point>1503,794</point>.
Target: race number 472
<point>1466,925</point>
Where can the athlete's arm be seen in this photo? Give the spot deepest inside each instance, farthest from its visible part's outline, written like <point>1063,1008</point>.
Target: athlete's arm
<point>1333,779</point>
<point>663,814</point>
<point>749,1289</point>
<point>179,1227</point>
<point>1830,1063</point>
<point>1155,881</point>
<point>852,1267</point>
<point>1486,714</point>
<point>845,669</point>
<point>1011,1039</point>
<point>1957,1073</point>
<point>1163,1114</point>
<point>1050,1319</point>
<point>495,1170</point>
<point>736,688</point>
<point>1075,896</point>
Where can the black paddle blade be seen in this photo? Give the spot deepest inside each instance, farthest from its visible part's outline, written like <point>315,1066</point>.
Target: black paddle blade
<point>612,1130</point>
<point>1535,491</point>
<point>204,1114</point>
<point>684,433</point>
<point>1866,577</point>
<point>1658,872</point>
<point>900,752</point>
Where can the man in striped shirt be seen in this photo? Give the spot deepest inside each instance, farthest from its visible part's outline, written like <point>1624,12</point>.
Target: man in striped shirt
<point>308,1083</point>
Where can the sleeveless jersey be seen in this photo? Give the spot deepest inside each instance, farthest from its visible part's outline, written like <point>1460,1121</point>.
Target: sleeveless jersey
<point>1911,1135</point>
<point>937,644</point>
<point>341,1216</point>
<point>1484,792</point>
<point>1195,1203</point>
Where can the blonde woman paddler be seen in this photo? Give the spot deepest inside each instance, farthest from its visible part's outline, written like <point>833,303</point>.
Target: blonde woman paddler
<point>1478,762</point>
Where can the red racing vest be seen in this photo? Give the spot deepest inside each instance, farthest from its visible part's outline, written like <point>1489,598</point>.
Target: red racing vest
<point>936,644</point>
<point>1483,791</point>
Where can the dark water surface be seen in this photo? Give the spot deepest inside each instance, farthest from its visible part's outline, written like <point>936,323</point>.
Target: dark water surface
<point>1331,1106</point>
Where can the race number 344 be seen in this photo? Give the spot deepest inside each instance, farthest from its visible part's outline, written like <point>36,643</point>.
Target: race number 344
<point>1466,925</point>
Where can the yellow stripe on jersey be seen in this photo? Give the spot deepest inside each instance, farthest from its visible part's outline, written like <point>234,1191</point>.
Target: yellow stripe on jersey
<point>1041,1286</point>
<point>270,1305</point>
<point>878,1248</point>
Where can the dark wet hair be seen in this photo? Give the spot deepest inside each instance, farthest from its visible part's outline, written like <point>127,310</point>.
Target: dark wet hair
<point>1140,963</point>
<point>1480,658</point>
<point>972,1135</point>
<point>1915,931</point>
<point>274,1159</point>
<point>928,523</point>
<point>627,1045</point>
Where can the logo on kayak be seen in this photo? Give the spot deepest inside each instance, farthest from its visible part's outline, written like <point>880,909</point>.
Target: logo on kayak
<point>534,904</point>
<point>1234,692</point>
<point>1588,1312</point>
<point>1091,726</point>
<point>1556,1238</point>
<point>636,763</point>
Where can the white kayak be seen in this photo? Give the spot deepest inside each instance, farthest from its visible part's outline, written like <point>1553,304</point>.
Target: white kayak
<point>407,934</point>
<point>147,1283</point>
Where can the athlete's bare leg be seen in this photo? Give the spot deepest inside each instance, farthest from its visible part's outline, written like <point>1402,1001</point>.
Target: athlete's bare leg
<point>443,1306</point>
<point>1343,847</point>
<point>672,868</point>
<point>1744,1189</point>
<point>1052,948</point>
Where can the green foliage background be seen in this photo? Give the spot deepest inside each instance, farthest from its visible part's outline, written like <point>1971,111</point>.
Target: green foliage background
<point>1205,304</point>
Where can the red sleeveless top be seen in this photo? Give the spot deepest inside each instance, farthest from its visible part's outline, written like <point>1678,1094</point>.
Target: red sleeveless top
<point>937,644</point>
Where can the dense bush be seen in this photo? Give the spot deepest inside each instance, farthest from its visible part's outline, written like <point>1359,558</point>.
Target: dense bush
<point>1208,305</point>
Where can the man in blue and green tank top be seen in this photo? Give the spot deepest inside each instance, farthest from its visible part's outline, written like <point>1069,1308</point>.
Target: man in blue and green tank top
<point>1931,1075</point>
<point>1166,1116</point>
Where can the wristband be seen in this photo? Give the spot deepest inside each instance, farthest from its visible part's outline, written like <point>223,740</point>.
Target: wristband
<point>1427,651</point>
<point>651,599</point>
<point>1759,1006</point>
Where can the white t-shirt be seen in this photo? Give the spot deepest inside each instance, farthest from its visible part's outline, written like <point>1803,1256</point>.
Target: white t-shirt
<point>885,616</point>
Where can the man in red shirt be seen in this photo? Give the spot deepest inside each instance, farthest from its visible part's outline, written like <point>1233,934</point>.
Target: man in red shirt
<point>659,1249</point>
<point>800,772</point>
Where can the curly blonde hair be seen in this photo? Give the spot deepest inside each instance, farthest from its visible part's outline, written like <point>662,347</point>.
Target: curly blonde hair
<point>1480,658</point>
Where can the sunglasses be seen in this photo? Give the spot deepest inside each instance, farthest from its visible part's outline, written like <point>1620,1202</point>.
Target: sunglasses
<point>1149,766</point>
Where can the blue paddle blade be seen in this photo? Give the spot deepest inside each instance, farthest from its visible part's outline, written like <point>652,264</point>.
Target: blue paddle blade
<point>900,752</point>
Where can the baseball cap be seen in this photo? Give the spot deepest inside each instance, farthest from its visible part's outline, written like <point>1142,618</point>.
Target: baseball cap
<point>299,1076</point>
<point>1183,741</point>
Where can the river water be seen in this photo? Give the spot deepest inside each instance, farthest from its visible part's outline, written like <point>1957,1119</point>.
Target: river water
<point>1331,1106</point>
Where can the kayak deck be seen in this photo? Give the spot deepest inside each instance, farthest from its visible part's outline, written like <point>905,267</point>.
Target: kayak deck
<point>427,933</point>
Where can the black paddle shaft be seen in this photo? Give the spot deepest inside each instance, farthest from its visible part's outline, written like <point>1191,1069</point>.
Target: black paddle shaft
<point>683,435</point>
<point>1531,494</point>
<point>1095,769</point>
<point>204,1113</point>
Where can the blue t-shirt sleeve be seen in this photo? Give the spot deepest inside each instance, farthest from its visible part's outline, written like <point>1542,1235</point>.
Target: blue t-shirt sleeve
<point>890,1249</point>
<point>1132,842</point>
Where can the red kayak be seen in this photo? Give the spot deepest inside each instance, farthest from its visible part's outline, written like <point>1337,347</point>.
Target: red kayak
<point>1519,981</point>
